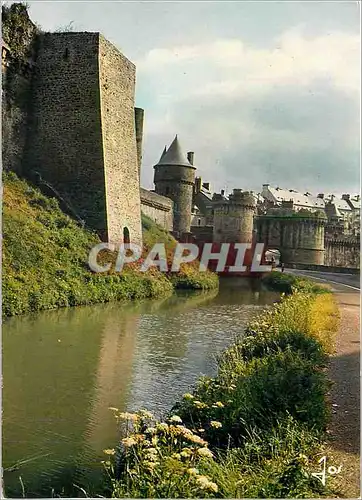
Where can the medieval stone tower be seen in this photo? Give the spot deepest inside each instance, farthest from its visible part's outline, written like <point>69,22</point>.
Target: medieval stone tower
<point>175,178</point>
<point>234,218</point>
<point>299,237</point>
<point>82,131</point>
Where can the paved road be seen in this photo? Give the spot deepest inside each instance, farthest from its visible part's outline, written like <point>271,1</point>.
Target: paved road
<point>344,371</point>
<point>348,281</point>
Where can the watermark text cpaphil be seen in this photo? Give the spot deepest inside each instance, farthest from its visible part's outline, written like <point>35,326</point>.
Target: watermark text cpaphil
<point>183,253</point>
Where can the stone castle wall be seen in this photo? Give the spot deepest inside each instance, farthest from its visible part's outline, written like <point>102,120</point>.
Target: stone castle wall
<point>343,252</point>
<point>117,76</point>
<point>66,144</point>
<point>233,219</point>
<point>17,69</point>
<point>177,184</point>
<point>299,240</point>
<point>76,128</point>
<point>158,208</point>
<point>16,87</point>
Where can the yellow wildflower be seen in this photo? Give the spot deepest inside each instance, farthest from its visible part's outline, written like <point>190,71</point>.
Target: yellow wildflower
<point>151,454</point>
<point>176,418</point>
<point>195,439</point>
<point>206,484</point>
<point>150,430</point>
<point>205,452</point>
<point>129,441</point>
<point>200,405</point>
<point>215,424</point>
<point>188,396</point>
<point>219,404</point>
<point>162,426</point>
<point>192,471</point>
<point>145,414</point>
<point>150,465</point>
<point>128,416</point>
<point>139,437</point>
<point>109,452</point>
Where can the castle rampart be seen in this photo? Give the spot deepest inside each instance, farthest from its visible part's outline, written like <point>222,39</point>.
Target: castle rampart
<point>158,208</point>
<point>117,77</point>
<point>78,132</point>
<point>233,218</point>
<point>299,238</point>
<point>343,252</point>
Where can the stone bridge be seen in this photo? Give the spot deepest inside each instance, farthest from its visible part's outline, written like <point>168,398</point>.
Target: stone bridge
<point>298,237</point>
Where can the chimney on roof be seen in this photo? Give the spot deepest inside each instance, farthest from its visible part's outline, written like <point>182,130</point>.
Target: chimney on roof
<point>190,157</point>
<point>197,184</point>
<point>222,192</point>
<point>345,197</point>
<point>266,186</point>
<point>321,196</point>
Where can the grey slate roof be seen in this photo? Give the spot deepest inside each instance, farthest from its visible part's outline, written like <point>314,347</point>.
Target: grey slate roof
<point>174,156</point>
<point>297,198</point>
<point>356,204</point>
<point>341,204</point>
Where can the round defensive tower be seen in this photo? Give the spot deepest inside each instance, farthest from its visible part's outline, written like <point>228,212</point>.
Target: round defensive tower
<point>234,218</point>
<point>175,178</point>
<point>304,239</point>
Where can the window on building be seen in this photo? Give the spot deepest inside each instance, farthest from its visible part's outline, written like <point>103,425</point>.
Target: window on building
<point>167,191</point>
<point>199,222</point>
<point>66,54</point>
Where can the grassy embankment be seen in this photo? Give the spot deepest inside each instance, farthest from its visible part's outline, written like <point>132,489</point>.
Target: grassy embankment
<point>255,430</point>
<point>45,259</point>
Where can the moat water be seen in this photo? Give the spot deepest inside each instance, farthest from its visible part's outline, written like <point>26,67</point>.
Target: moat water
<point>62,370</point>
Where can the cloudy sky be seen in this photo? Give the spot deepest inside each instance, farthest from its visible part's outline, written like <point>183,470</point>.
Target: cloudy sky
<point>261,92</point>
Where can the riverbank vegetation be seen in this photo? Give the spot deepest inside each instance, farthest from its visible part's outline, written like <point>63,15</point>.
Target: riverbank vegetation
<point>45,258</point>
<point>255,430</point>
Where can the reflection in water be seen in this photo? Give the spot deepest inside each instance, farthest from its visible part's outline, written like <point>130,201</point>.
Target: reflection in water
<point>62,370</point>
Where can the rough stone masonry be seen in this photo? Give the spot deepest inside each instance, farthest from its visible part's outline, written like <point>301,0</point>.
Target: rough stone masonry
<point>83,134</point>
<point>75,125</point>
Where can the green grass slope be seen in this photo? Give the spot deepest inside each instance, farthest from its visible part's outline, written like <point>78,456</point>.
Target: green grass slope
<point>45,258</point>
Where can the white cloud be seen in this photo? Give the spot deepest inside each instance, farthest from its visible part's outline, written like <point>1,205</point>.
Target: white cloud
<point>292,105</point>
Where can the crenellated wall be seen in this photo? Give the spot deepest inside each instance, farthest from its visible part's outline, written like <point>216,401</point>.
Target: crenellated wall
<point>233,218</point>
<point>158,208</point>
<point>343,252</point>
<point>300,239</point>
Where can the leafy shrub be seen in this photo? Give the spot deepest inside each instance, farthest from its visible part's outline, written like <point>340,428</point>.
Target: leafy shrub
<point>262,417</point>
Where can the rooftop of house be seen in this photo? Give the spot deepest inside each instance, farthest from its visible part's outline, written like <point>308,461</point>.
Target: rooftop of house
<point>305,200</point>
<point>356,202</point>
<point>340,204</point>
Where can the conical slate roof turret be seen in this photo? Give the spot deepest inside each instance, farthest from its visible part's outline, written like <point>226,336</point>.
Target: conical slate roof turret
<point>174,156</point>
<point>163,154</point>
